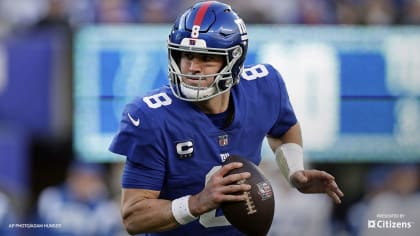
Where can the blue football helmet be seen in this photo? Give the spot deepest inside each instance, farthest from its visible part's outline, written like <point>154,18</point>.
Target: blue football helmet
<point>210,28</point>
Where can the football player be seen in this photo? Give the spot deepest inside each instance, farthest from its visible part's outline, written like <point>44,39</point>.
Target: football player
<point>176,138</point>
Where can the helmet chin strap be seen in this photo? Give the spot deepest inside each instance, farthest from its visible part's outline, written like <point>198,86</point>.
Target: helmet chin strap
<point>193,92</point>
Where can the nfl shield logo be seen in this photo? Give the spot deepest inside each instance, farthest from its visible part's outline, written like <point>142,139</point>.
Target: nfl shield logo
<point>223,140</point>
<point>264,190</point>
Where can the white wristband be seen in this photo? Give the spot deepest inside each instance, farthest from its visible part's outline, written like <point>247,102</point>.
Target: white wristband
<point>289,158</point>
<point>181,210</point>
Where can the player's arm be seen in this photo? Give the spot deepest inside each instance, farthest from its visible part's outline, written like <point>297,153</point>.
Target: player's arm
<point>288,150</point>
<point>293,135</point>
<point>289,157</point>
<point>142,211</point>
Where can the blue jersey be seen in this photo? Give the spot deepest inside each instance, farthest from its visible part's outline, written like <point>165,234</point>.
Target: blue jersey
<point>171,146</point>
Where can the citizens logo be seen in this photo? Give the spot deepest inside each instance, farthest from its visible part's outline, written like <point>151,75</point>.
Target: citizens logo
<point>390,221</point>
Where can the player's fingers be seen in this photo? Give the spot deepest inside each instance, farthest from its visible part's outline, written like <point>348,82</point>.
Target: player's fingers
<point>334,192</point>
<point>234,188</point>
<point>326,175</point>
<point>317,175</point>
<point>299,179</point>
<point>235,178</point>
<point>339,192</point>
<point>235,197</point>
<point>332,186</point>
<point>228,167</point>
<point>334,197</point>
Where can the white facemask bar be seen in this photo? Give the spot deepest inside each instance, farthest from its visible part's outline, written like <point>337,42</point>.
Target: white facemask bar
<point>205,93</point>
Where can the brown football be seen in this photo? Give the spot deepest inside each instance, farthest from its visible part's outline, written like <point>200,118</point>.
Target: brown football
<point>254,216</point>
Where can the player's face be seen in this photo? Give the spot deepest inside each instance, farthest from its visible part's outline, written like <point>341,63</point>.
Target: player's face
<point>200,64</point>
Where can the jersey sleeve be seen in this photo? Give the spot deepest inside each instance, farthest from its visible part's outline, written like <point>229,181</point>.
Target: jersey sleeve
<point>139,141</point>
<point>286,117</point>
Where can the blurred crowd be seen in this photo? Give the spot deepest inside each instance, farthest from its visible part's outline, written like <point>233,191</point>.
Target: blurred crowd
<point>84,198</point>
<point>374,192</point>
<point>24,13</point>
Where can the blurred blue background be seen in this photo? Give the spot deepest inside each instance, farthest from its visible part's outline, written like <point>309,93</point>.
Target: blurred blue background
<point>353,97</point>
<point>67,67</point>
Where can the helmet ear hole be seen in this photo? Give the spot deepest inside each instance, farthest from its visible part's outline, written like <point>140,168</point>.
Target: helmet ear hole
<point>237,52</point>
<point>225,84</point>
<point>222,85</point>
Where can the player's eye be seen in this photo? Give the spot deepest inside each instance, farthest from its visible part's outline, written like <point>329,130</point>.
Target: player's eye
<point>188,55</point>
<point>209,58</point>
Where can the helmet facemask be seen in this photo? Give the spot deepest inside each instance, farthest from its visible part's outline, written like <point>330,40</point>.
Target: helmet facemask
<point>223,80</point>
<point>208,27</point>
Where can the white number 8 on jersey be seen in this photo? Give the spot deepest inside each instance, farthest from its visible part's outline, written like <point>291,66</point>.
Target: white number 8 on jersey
<point>255,72</point>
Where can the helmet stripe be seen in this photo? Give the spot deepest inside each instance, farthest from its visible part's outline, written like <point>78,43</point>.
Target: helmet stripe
<point>201,13</point>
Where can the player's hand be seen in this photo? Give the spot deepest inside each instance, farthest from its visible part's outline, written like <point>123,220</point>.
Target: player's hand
<point>315,181</point>
<point>220,188</point>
